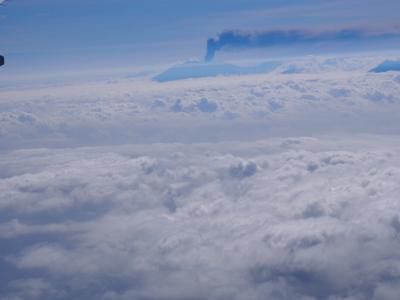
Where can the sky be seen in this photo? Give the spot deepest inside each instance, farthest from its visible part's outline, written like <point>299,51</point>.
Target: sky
<point>69,35</point>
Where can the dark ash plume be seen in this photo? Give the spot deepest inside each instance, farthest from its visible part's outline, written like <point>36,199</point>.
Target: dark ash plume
<point>233,39</point>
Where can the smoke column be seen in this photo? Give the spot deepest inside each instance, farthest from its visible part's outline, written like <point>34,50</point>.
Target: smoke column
<point>233,39</point>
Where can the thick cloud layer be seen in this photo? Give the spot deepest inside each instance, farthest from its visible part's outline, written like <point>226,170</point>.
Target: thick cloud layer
<point>260,218</point>
<point>315,95</point>
<point>235,39</point>
<point>280,219</point>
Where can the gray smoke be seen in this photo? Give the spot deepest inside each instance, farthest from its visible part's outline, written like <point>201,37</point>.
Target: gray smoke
<point>234,39</point>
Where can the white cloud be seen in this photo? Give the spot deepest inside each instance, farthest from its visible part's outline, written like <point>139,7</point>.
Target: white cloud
<point>284,218</point>
<point>328,95</point>
<point>278,218</point>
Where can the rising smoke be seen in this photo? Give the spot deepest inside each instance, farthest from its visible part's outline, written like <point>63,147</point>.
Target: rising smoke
<point>235,39</point>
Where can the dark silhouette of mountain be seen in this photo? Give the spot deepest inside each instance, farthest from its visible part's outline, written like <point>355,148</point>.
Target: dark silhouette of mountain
<point>386,66</point>
<point>199,70</point>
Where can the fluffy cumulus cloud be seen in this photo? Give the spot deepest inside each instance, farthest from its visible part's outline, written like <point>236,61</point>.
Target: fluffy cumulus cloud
<point>298,98</point>
<point>301,218</point>
<point>102,196</point>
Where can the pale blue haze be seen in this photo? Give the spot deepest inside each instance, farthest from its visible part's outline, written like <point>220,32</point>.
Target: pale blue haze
<point>41,35</point>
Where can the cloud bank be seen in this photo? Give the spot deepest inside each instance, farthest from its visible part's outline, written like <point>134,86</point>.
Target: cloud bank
<point>280,219</point>
<point>310,96</point>
<point>235,39</point>
<point>276,218</point>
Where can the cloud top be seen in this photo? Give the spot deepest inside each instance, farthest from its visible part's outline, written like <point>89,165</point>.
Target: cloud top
<point>298,218</point>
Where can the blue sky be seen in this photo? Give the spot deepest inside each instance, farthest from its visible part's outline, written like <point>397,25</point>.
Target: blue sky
<point>40,35</point>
